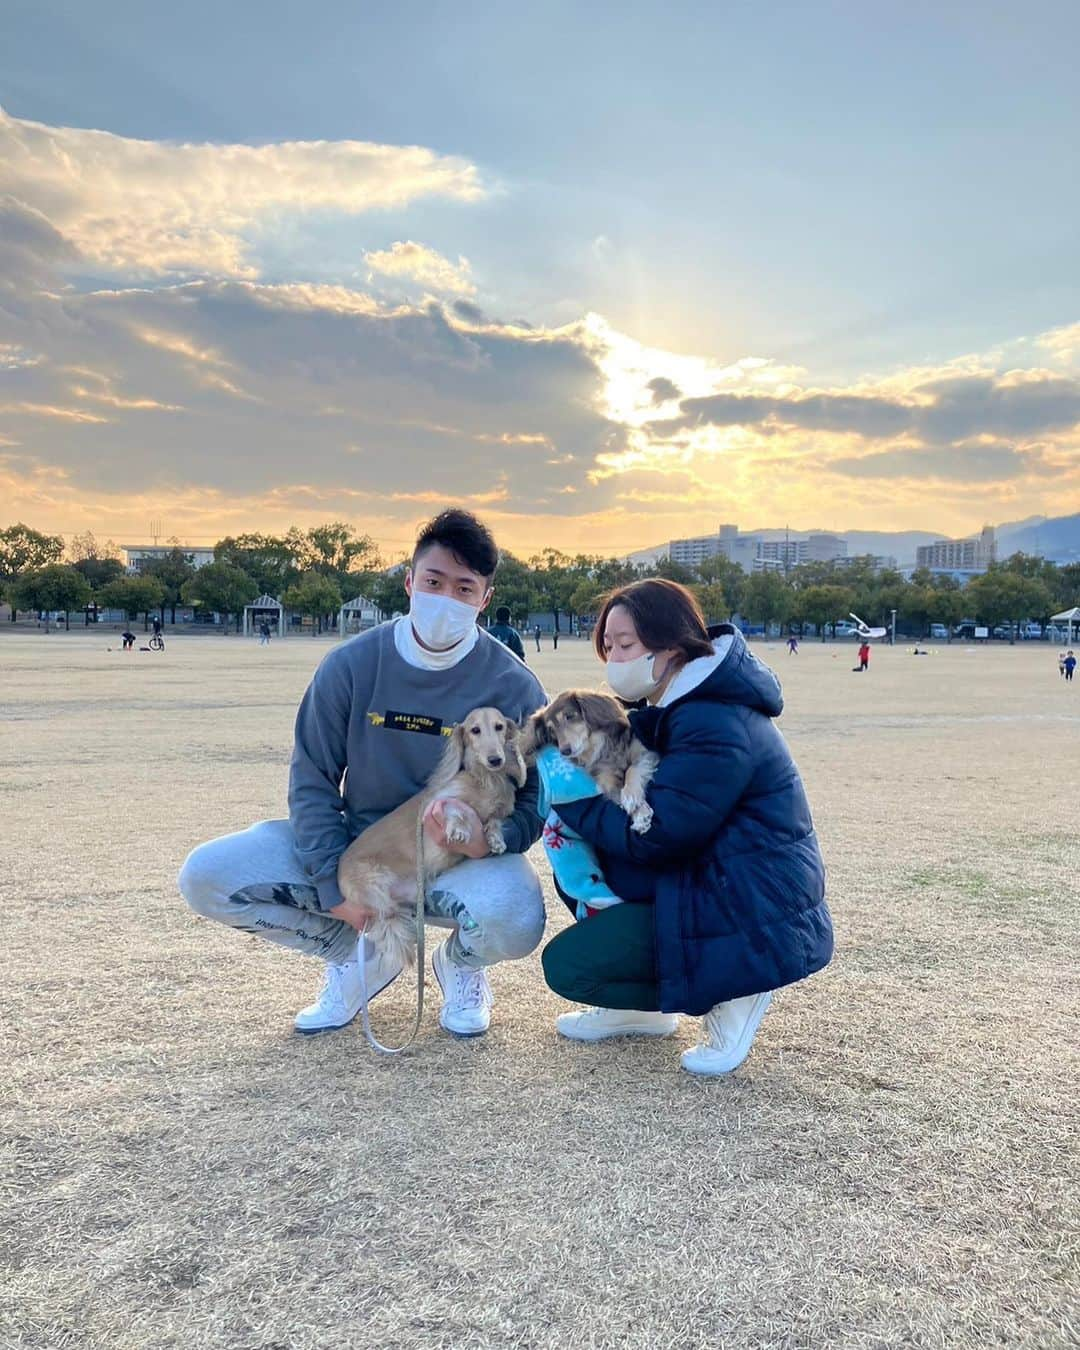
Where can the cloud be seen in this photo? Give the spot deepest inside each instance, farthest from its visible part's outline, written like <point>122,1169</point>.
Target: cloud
<point>224,401</point>
<point>32,250</point>
<point>416,263</point>
<point>1063,343</point>
<point>465,309</point>
<point>815,412</point>
<point>663,390</point>
<point>223,384</point>
<point>948,409</point>
<point>975,464</point>
<point>153,208</point>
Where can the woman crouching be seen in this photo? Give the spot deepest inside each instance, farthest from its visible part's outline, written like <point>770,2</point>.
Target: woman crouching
<point>724,896</point>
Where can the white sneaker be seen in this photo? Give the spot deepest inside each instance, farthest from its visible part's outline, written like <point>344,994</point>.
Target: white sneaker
<point>341,993</point>
<point>467,996</point>
<point>600,1024</point>
<point>727,1032</point>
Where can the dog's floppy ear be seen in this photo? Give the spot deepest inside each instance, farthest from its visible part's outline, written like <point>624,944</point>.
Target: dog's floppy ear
<point>515,763</point>
<point>452,762</point>
<point>603,713</point>
<point>535,734</point>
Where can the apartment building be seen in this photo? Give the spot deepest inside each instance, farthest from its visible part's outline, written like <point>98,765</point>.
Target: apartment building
<point>825,548</point>
<point>973,554</point>
<point>755,554</point>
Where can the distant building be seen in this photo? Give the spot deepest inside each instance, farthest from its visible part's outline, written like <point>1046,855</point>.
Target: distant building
<point>825,548</point>
<point>786,553</point>
<point>972,555</point>
<point>135,555</point>
<point>880,562</point>
<point>755,554</point>
<point>727,542</point>
<point>691,552</point>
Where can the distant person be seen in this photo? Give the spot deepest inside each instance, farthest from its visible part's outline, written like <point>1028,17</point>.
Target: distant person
<point>793,645</point>
<point>264,634</point>
<point>536,635</point>
<point>555,640</point>
<point>864,658</point>
<point>129,640</point>
<point>157,627</point>
<point>501,630</point>
<point>1061,663</point>
<point>1070,664</point>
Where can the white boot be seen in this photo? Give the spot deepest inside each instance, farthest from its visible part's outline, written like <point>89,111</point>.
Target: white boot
<point>727,1032</point>
<point>341,993</point>
<point>467,996</point>
<point>601,1024</point>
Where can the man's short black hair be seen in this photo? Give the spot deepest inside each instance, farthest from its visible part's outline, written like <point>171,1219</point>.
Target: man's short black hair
<point>468,539</point>
<point>502,614</point>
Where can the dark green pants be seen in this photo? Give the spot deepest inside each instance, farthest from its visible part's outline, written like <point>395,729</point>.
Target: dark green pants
<point>608,960</point>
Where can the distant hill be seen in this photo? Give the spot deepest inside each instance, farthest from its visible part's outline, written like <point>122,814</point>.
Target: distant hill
<point>1057,538</point>
<point>648,555</point>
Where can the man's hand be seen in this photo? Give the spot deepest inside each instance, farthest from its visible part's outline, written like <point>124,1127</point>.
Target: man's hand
<point>476,846</point>
<point>353,912</point>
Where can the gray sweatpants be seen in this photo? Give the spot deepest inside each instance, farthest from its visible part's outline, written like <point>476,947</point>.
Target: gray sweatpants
<point>254,881</point>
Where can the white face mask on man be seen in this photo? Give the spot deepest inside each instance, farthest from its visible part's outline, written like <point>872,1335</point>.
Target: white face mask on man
<point>441,622</point>
<point>633,680</point>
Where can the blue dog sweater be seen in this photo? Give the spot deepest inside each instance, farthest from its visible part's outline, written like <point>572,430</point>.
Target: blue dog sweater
<point>572,860</point>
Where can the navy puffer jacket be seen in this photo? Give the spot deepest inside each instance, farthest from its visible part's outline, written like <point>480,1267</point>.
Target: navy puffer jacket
<point>732,858</point>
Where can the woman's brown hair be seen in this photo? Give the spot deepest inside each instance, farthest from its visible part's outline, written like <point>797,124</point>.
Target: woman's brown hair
<point>665,614</point>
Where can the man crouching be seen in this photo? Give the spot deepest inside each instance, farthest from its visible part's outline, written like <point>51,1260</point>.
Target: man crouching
<point>370,730</point>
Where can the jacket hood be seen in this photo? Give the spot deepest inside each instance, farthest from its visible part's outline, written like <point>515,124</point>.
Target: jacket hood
<point>733,675</point>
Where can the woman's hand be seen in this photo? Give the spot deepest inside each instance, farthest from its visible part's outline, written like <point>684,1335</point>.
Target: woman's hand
<point>435,826</point>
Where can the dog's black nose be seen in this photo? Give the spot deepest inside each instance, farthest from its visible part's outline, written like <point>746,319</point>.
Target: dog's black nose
<point>495,761</point>
<point>567,754</point>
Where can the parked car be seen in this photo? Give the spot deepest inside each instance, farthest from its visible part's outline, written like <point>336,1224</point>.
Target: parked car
<point>939,631</point>
<point>845,628</point>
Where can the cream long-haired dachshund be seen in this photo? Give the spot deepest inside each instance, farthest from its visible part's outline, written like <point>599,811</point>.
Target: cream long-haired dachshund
<point>482,766</point>
<point>594,731</point>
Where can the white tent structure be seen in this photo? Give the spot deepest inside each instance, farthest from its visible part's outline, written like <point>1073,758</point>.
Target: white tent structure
<point>356,615</point>
<point>1070,617</point>
<point>265,608</point>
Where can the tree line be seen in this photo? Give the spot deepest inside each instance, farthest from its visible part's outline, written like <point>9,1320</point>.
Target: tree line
<point>312,572</point>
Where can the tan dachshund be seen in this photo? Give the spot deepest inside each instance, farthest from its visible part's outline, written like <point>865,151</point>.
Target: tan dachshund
<point>482,766</point>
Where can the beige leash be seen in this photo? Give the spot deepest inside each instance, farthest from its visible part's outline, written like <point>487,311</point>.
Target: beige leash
<point>421,898</point>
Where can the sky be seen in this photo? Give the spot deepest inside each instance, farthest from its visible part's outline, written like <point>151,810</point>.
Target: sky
<point>607,274</point>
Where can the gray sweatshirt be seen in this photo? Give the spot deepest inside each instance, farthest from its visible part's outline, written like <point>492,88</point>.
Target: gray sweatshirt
<point>371,729</point>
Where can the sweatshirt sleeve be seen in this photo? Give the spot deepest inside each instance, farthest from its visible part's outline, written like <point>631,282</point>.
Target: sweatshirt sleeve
<point>701,777</point>
<point>522,828</point>
<point>316,805</point>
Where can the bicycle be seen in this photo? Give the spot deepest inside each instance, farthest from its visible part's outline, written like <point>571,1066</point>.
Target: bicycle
<point>156,643</point>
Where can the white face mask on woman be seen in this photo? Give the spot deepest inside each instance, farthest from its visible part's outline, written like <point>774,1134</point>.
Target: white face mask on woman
<point>440,621</point>
<point>633,680</point>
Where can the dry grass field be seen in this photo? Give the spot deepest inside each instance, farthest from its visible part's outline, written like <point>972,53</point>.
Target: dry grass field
<point>895,1165</point>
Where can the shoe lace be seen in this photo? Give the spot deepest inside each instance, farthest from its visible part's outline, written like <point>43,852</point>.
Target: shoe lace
<point>331,985</point>
<point>470,987</point>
